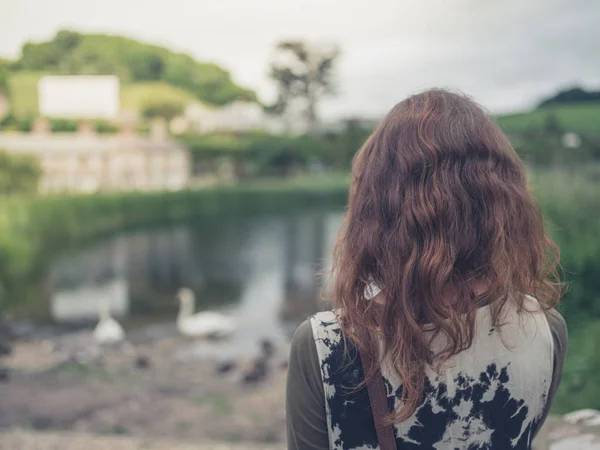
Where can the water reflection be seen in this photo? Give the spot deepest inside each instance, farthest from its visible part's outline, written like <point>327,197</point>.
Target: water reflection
<point>259,270</point>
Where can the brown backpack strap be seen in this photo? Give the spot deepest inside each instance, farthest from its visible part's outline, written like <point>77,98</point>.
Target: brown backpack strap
<point>378,399</point>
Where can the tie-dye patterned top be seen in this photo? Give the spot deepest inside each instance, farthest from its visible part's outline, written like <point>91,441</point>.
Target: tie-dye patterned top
<point>490,396</point>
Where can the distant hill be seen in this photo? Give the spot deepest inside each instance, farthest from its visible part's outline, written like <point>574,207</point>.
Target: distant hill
<point>72,53</point>
<point>583,117</point>
<point>573,109</point>
<point>573,95</point>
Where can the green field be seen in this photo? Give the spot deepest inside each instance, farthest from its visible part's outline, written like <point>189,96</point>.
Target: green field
<point>24,93</point>
<point>577,117</point>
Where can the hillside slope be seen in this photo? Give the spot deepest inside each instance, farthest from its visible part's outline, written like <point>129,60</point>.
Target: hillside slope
<point>576,117</point>
<point>72,53</point>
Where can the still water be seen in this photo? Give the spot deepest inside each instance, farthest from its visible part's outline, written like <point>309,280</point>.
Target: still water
<point>258,270</point>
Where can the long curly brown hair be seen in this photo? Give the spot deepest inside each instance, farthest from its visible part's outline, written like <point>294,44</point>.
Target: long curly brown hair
<point>438,207</point>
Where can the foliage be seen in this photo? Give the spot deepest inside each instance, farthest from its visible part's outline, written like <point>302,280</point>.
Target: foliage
<point>19,174</point>
<point>105,127</point>
<point>540,147</point>
<point>579,388</point>
<point>304,72</point>
<point>12,123</point>
<point>167,110</point>
<point>63,125</point>
<point>135,95</point>
<point>570,200</point>
<point>73,53</point>
<point>266,154</point>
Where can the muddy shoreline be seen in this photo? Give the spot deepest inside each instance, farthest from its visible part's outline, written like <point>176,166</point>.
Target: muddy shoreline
<point>161,389</point>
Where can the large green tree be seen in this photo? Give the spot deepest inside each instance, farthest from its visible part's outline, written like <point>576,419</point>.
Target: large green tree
<point>304,72</point>
<point>167,110</point>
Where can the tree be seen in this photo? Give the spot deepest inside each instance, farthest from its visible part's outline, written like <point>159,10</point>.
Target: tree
<point>165,109</point>
<point>305,72</point>
<point>145,65</point>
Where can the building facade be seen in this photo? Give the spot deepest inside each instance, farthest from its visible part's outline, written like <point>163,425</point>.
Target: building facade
<point>89,163</point>
<point>234,117</point>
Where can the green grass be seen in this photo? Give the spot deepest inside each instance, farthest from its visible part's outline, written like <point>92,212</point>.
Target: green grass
<point>577,117</point>
<point>24,93</point>
<point>135,95</point>
<point>579,387</point>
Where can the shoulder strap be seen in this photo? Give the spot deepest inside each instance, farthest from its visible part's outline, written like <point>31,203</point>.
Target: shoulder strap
<point>378,399</point>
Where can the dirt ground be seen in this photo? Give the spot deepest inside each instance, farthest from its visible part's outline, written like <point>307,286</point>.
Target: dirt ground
<point>20,439</point>
<point>68,394</point>
<point>112,395</point>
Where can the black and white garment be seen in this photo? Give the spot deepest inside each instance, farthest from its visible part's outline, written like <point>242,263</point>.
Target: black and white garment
<point>490,396</point>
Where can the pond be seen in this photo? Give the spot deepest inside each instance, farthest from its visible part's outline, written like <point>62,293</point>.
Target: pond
<point>259,270</point>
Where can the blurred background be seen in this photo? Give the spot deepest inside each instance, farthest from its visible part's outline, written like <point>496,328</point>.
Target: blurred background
<point>173,175</point>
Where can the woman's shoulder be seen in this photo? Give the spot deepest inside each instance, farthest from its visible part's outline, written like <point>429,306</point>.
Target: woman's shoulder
<point>557,321</point>
<point>323,322</point>
<point>303,333</point>
<point>560,333</point>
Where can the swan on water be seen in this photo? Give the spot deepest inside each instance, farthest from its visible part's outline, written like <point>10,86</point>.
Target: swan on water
<point>206,324</point>
<point>108,331</point>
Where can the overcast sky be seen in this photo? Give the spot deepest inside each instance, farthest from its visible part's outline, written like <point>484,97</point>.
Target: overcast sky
<point>507,54</point>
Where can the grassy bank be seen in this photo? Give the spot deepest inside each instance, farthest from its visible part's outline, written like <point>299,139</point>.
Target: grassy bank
<point>31,228</point>
<point>34,227</point>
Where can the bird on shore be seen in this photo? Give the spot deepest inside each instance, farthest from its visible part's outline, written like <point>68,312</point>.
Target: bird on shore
<point>259,368</point>
<point>206,324</point>
<point>108,331</point>
<point>5,349</point>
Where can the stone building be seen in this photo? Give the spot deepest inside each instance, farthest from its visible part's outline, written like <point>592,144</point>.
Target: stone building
<point>235,117</point>
<point>87,162</point>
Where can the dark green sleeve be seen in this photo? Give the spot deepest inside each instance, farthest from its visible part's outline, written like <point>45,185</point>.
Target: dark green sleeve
<point>558,328</point>
<point>305,398</point>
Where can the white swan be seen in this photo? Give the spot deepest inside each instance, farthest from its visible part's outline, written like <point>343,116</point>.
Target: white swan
<point>207,324</point>
<point>108,331</point>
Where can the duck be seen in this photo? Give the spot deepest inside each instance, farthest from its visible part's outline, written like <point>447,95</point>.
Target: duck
<point>108,331</point>
<point>259,369</point>
<point>206,324</point>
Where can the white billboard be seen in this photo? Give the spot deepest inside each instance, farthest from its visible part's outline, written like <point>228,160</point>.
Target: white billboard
<point>79,96</point>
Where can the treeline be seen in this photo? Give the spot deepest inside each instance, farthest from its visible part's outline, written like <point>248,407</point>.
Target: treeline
<point>261,154</point>
<point>25,125</point>
<point>72,53</point>
<point>552,144</point>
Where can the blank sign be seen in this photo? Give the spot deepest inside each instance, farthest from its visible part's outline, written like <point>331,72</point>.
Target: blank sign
<point>79,97</point>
